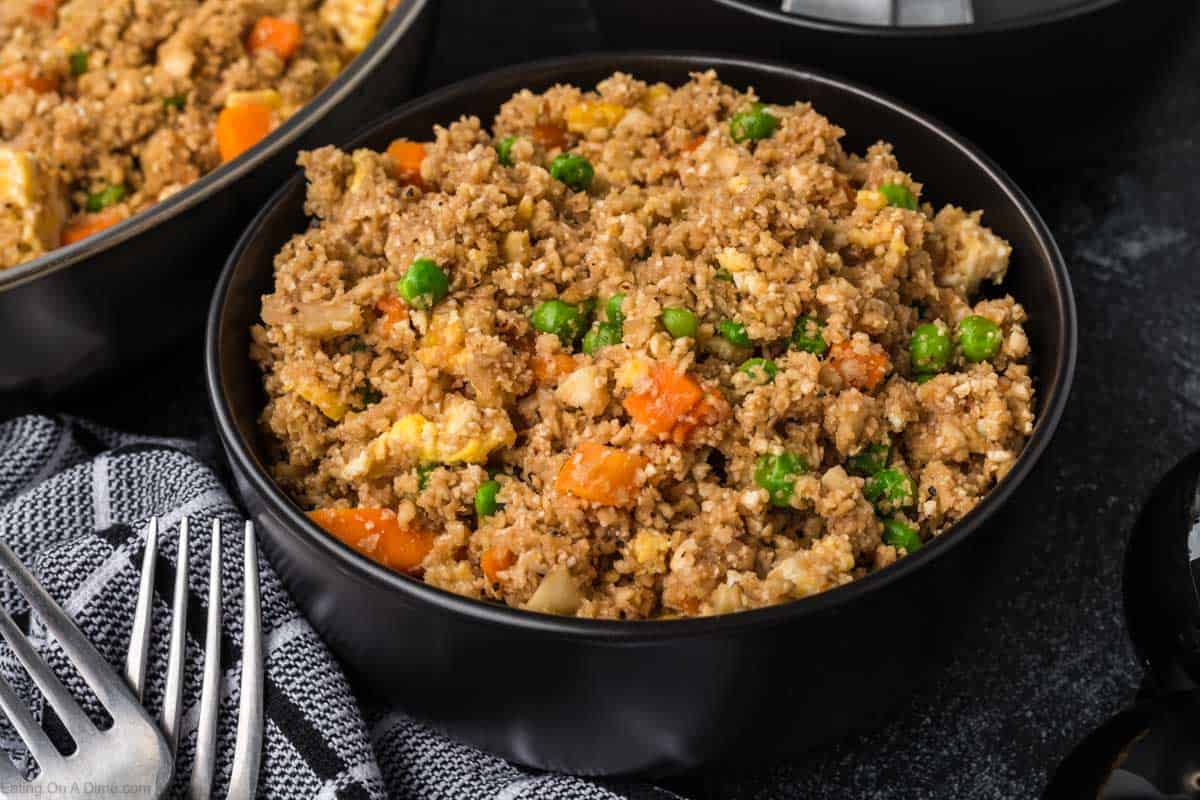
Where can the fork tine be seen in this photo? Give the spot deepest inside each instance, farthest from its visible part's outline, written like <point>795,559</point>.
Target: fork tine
<point>68,710</point>
<point>90,664</point>
<point>173,693</point>
<point>39,744</point>
<point>10,776</point>
<point>248,747</point>
<point>139,637</point>
<point>210,690</point>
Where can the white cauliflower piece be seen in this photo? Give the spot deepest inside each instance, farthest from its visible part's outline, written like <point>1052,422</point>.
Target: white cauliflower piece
<point>973,253</point>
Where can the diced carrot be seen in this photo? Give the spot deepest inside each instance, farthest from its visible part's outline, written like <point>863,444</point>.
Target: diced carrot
<point>709,411</point>
<point>671,400</point>
<point>860,370</point>
<point>241,127</point>
<point>282,36</point>
<point>43,10</point>
<point>377,534</point>
<point>546,369</point>
<point>495,560</point>
<point>392,310</point>
<point>406,161</point>
<point>605,475</point>
<point>694,143</point>
<point>550,136</point>
<point>86,225</point>
<point>16,78</point>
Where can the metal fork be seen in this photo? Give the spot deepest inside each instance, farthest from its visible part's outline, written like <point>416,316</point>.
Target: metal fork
<point>131,753</point>
<point>248,744</point>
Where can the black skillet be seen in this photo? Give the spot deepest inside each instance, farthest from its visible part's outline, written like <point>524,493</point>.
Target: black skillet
<point>1032,81</point>
<point>1152,750</point>
<point>80,314</point>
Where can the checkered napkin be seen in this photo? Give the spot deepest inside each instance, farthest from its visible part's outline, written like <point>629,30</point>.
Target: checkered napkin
<point>74,502</point>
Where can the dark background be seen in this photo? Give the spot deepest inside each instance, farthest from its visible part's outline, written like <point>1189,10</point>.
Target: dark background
<point>1043,657</point>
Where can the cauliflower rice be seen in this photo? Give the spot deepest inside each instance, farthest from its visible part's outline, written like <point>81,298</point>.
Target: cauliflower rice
<point>658,475</point>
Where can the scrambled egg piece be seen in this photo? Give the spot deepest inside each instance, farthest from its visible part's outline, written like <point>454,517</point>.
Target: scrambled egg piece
<point>258,97</point>
<point>354,20</point>
<point>445,345</point>
<point>655,95</point>
<point>734,260</point>
<point>464,432</point>
<point>650,547</point>
<point>632,373</point>
<point>362,167</point>
<point>588,115</point>
<point>320,395</point>
<point>32,201</point>
<point>871,199</point>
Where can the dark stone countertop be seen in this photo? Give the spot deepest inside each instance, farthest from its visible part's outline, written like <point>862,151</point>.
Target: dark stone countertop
<point>1045,657</point>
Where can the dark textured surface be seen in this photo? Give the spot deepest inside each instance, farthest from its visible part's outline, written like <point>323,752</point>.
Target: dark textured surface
<point>1044,657</point>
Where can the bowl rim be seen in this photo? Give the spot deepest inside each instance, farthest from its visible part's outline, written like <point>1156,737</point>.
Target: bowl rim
<point>395,28</point>
<point>1080,9</point>
<point>636,632</point>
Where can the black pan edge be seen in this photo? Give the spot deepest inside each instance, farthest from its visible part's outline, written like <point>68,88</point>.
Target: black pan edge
<point>917,31</point>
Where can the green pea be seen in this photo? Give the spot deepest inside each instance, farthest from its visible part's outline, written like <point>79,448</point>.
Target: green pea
<point>109,196</point>
<point>898,196</point>
<point>929,348</point>
<point>889,490</point>
<point>723,275</point>
<point>175,101</point>
<point>572,169</point>
<point>733,332</point>
<point>485,498</point>
<point>807,336</point>
<point>423,472</point>
<point>979,338</point>
<point>504,150</point>
<point>562,319</point>
<point>899,534</point>
<point>777,474</point>
<point>424,284</point>
<point>871,460</point>
<point>612,309</point>
<point>78,61</point>
<point>924,377</point>
<point>602,334</point>
<point>761,370</point>
<point>679,322</point>
<point>752,125</point>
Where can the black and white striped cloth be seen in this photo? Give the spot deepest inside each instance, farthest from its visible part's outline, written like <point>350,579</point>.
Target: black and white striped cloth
<point>74,502</point>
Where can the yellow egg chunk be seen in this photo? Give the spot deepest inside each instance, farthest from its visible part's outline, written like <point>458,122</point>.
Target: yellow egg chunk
<point>464,433</point>
<point>587,115</point>
<point>321,396</point>
<point>354,20</point>
<point>32,203</point>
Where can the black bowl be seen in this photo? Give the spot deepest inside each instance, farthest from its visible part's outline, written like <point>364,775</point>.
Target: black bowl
<point>601,697</point>
<point>83,312</point>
